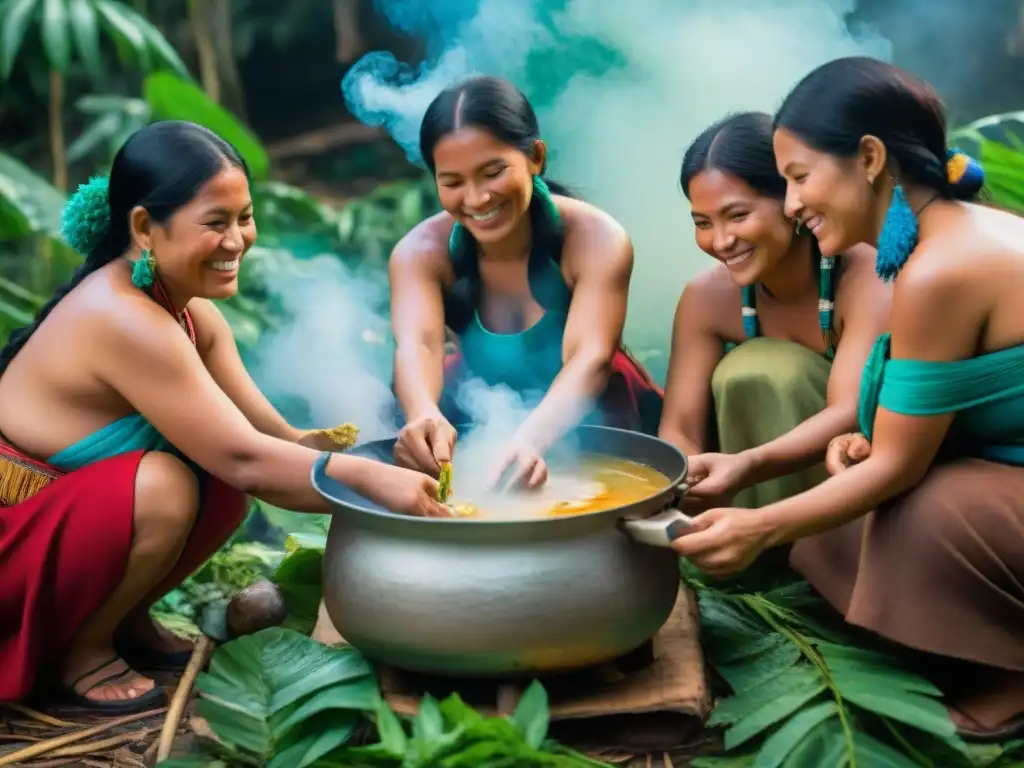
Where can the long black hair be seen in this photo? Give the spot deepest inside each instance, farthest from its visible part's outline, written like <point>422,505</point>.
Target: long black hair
<point>841,102</point>
<point>741,146</point>
<point>496,106</point>
<point>161,168</point>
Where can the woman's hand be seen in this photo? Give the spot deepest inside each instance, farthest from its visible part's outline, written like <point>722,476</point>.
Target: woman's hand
<point>520,466</point>
<point>403,491</point>
<point>425,443</point>
<point>723,541</point>
<point>845,451</point>
<point>712,479</point>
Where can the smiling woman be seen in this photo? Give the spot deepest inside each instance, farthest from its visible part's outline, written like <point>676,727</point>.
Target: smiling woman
<point>138,432</point>
<point>533,283</point>
<point>799,328</point>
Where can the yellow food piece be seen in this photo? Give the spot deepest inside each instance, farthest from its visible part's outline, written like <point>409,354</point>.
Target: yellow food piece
<point>343,435</point>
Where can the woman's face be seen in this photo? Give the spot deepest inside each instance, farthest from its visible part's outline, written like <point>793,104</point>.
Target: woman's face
<point>484,184</point>
<point>199,250</point>
<point>743,229</point>
<point>832,197</point>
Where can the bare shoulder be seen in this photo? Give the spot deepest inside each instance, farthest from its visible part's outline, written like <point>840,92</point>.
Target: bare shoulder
<point>209,322</point>
<point>424,247</point>
<point>602,241</point>
<point>712,299</point>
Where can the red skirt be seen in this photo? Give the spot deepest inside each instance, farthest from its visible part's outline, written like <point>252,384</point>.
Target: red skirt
<point>63,553</point>
<point>631,399</point>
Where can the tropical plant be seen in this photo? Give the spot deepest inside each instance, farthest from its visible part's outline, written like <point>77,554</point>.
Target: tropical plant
<point>280,699</point>
<point>1000,151</point>
<point>69,26</point>
<point>805,693</point>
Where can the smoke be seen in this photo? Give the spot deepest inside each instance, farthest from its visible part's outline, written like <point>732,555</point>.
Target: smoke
<point>621,88</point>
<point>333,352</point>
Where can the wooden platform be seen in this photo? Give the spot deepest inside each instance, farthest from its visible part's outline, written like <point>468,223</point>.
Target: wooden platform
<point>655,699</point>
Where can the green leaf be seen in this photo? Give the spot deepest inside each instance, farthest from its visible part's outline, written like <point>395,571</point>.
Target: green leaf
<point>758,669</point>
<point>131,43</point>
<point>389,727</point>
<point>744,704</point>
<point>773,712</point>
<point>872,753</point>
<point>18,17</point>
<point>161,51</point>
<point>29,204</point>
<point>257,683</point>
<point>55,37</point>
<point>300,577</point>
<point>172,98</point>
<point>737,761</point>
<point>781,743</point>
<point>912,709</point>
<point>347,697</point>
<point>531,715</point>
<point>85,28</point>
<point>316,737</point>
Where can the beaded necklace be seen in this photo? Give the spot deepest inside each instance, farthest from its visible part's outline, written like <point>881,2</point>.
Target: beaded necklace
<point>826,307</point>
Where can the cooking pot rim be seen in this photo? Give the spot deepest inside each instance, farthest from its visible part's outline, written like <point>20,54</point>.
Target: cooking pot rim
<point>662,497</point>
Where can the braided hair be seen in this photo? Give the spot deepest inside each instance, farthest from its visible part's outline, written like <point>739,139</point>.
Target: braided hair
<point>496,106</point>
<point>161,168</point>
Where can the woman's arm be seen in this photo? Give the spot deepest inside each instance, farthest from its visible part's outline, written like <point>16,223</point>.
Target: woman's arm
<point>696,351</point>
<point>599,250</point>
<point>932,319</point>
<point>144,355</point>
<point>217,348</point>
<point>865,303</point>
<point>417,320</point>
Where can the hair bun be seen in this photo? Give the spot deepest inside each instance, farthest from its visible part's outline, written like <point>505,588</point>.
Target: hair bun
<point>86,218</point>
<point>964,173</point>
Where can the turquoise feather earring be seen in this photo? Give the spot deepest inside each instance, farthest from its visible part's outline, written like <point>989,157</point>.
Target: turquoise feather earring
<point>143,271</point>
<point>898,238</point>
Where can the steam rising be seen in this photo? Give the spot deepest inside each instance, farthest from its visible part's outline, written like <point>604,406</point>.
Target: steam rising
<point>617,115</point>
<point>617,122</point>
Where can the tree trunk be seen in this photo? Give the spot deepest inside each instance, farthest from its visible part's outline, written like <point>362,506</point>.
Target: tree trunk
<point>58,157</point>
<point>211,21</point>
<point>346,31</point>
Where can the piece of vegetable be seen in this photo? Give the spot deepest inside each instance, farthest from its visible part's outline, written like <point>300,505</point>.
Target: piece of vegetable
<point>444,483</point>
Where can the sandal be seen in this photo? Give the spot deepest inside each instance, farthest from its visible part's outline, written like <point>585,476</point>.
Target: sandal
<point>152,699</point>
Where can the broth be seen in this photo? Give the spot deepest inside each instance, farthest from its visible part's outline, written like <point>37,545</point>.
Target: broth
<point>591,483</point>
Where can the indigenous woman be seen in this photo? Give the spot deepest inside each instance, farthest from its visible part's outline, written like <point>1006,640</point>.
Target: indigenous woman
<point>799,326</point>
<point>531,282</point>
<point>132,433</point>
<point>919,534</point>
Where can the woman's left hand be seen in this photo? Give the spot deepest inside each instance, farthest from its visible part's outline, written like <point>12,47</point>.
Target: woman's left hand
<point>724,541</point>
<point>520,466</point>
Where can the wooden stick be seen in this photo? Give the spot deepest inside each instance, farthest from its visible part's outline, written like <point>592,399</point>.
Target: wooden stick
<point>43,718</point>
<point>35,750</point>
<point>98,746</point>
<point>200,655</point>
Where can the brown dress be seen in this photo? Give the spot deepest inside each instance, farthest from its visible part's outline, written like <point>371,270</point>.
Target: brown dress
<point>940,569</point>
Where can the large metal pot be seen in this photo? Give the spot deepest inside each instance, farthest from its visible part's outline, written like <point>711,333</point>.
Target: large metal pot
<point>501,598</point>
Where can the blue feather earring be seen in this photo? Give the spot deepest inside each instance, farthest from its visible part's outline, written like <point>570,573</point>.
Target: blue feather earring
<point>898,238</point>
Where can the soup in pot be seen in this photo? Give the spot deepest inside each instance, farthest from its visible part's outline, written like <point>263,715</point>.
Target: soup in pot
<point>590,483</point>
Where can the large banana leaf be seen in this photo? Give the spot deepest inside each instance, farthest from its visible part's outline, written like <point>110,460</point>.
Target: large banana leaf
<point>172,98</point>
<point>284,699</point>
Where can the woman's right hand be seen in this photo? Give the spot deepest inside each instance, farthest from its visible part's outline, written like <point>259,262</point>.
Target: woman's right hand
<point>403,491</point>
<point>845,451</point>
<point>424,443</point>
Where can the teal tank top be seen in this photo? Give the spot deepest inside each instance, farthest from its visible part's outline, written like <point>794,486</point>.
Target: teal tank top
<point>986,392</point>
<point>526,362</point>
<point>129,433</point>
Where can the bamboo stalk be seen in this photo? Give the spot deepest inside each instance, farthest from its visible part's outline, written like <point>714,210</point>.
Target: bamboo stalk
<point>200,655</point>
<point>44,747</point>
